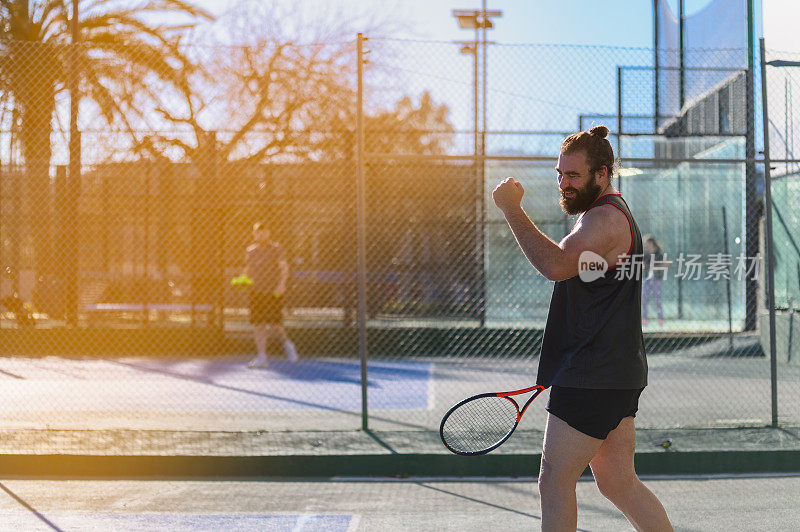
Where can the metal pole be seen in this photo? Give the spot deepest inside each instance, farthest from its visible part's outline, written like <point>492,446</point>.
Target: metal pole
<point>681,59</point>
<point>727,280</point>
<point>14,193</point>
<point>773,364</point>
<point>619,124</point>
<point>475,96</point>
<point>219,229</point>
<point>482,197</point>
<point>360,221</point>
<point>681,239</point>
<point>12,264</point>
<point>146,274</point>
<point>752,214</point>
<point>74,177</point>
<point>484,23</point>
<point>788,153</point>
<point>656,65</point>
<point>477,164</point>
<point>790,112</point>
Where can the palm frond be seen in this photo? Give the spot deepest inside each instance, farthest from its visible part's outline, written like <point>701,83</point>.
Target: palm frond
<point>177,6</point>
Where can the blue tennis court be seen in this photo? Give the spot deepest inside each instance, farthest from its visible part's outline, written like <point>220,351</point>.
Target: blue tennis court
<point>321,384</point>
<point>146,384</point>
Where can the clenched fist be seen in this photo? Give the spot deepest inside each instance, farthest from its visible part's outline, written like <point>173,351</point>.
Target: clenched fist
<point>508,194</point>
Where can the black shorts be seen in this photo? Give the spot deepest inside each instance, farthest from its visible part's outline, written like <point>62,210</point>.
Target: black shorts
<point>266,308</point>
<point>593,412</point>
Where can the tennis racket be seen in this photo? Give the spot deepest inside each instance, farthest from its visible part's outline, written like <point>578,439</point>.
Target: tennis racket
<point>481,423</point>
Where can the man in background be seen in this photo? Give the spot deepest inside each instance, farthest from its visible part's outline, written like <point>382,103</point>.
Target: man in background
<point>267,266</point>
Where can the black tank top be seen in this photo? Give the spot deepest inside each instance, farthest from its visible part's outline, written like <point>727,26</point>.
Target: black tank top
<point>593,336</point>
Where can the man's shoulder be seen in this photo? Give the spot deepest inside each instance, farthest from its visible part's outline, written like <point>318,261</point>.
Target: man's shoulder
<point>608,215</point>
<point>606,223</point>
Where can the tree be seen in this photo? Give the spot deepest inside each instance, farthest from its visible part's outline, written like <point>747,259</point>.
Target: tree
<point>118,59</point>
<point>269,95</point>
<point>410,129</point>
<point>284,93</point>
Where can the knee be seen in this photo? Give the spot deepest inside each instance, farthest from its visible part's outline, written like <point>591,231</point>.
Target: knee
<point>614,485</point>
<point>552,480</point>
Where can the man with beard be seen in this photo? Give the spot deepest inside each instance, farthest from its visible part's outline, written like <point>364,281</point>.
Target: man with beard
<point>592,356</point>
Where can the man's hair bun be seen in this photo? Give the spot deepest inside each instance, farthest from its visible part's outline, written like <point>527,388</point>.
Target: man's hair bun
<point>598,149</point>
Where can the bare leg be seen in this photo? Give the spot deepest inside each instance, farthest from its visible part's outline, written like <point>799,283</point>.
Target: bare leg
<point>279,332</point>
<point>288,346</point>
<point>657,299</point>
<point>260,334</point>
<point>566,454</point>
<point>616,478</point>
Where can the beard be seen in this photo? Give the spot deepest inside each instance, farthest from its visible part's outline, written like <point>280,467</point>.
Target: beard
<point>582,199</point>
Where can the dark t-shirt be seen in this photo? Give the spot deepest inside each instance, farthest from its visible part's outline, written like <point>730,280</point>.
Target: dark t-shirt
<point>262,264</point>
<point>593,337</point>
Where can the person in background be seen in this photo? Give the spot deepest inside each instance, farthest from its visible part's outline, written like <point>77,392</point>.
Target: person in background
<point>651,283</point>
<point>269,269</point>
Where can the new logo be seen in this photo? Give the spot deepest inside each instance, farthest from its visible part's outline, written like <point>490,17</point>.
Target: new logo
<point>591,266</point>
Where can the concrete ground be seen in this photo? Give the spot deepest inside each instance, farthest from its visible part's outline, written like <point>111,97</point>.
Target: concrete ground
<point>693,503</point>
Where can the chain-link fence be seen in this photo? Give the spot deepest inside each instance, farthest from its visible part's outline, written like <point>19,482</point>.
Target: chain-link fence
<point>780,80</point>
<point>119,310</point>
<point>690,178</point>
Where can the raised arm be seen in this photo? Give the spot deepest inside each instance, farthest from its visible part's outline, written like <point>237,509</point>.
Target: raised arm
<point>603,230</point>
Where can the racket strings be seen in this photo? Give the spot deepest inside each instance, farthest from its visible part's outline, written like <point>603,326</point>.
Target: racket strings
<point>479,424</point>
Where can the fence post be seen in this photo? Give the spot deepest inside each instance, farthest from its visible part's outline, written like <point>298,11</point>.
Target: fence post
<point>218,293</point>
<point>147,293</point>
<point>619,126</point>
<point>360,221</point>
<point>769,266</point>
<point>72,229</point>
<point>681,63</point>
<point>727,280</point>
<point>750,198</point>
<point>657,104</point>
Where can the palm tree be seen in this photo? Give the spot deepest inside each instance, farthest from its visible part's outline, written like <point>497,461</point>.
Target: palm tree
<point>120,58</point>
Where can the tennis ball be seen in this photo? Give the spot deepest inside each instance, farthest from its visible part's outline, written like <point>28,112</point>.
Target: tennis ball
<point>242,281</point>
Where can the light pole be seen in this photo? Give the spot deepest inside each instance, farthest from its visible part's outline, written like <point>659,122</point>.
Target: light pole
<point>471,48</point>
<point>479,19</point>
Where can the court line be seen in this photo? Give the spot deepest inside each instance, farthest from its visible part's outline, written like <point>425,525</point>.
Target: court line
<point>355,521</point>
<point>472,499</point>
<point>14,375</point>
<point>583,478</point>
<point>30,508</point>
